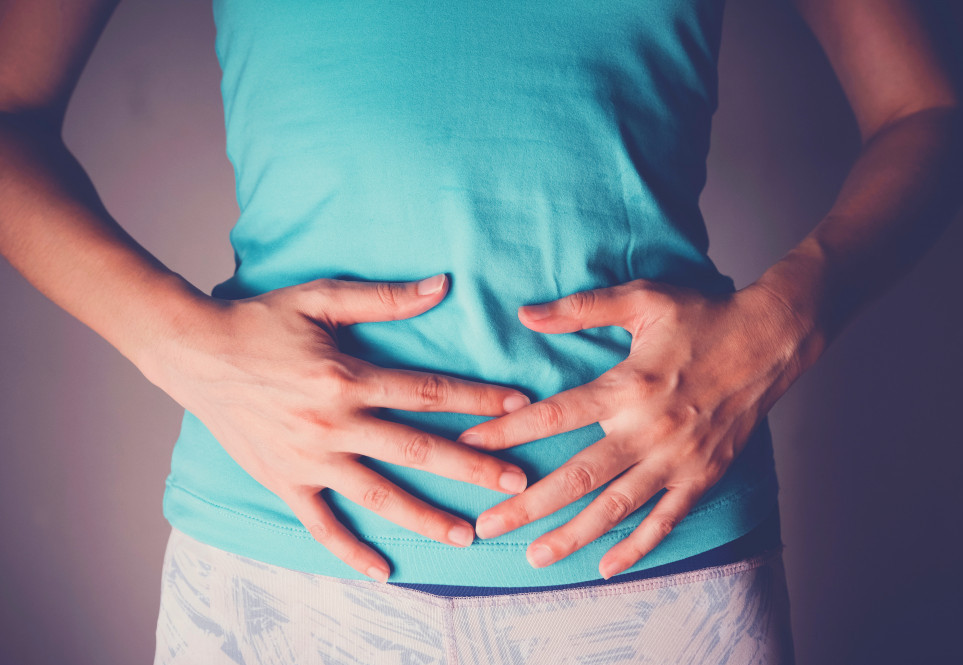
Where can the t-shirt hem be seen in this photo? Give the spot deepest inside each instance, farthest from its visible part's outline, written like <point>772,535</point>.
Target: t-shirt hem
<point>484,563</point>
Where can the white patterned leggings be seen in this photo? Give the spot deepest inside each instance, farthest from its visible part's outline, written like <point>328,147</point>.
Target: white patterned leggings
<point>217,607</point>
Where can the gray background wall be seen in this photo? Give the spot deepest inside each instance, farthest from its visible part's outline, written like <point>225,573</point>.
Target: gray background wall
<point>867,443</point>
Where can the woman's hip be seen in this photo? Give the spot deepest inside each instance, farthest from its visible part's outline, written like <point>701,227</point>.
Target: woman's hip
<point>219,607</point>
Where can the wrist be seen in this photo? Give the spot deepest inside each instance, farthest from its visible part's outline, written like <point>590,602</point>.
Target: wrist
<point>798,286</point>
<point>177,314</point>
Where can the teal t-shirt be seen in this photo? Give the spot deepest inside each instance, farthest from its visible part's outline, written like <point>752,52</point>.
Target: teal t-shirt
<point>526,148</point>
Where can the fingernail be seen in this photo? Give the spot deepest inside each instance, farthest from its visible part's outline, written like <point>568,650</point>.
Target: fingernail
<point>461,535</point>
<point>512,481</point>
<point>378,573</point>
<point>537,311</point>
<point>515,402</point>
<point>489,526</point>
<point>430,285</point>
<point>470,438</point>
<point>541,556</point>
<point>609,569</point>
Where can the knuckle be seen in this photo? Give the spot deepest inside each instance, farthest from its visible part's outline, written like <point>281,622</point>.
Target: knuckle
<point>431,523</point>
<point>479,470</point>
<point>337,378</point>
<point>549,415</point>
<point>668,424</point>
<point>333,370</point>
<point>620,383</point>
<point>417,449</point>
<point>520,514</point>
<point>615,506</point>
<point>569,541</point>
<point>642,293</point>
<point>725,456</point>
<point>654,381</point>
<point>432,390</point>
<point>387,293</point>
<point>663,525</point>
<point>675,420</point>
<point>646,383</point>
<point>659,299</point>
<point>316,295</point>
<point>323,283</point>
<point>319,531</point>
<point>690,413</point>
<point>356,554</point>
<point>581,303</point>
<point>577,480</point>
<point>525,515</point>
<point>377,497</point>
<point>718,464</point>
<point>642,384</point>
<point>614,379</point>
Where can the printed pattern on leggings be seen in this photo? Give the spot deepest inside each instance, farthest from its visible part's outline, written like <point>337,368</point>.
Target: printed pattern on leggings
<point>219,608</point>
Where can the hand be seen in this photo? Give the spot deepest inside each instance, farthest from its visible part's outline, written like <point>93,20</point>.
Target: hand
<point>700,374</point>
<point>264,374</point>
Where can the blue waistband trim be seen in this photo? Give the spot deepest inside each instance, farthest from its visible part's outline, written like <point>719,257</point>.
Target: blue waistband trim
<point>763,537</point>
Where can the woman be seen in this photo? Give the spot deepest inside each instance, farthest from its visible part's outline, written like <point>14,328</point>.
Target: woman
<point>523,155</point>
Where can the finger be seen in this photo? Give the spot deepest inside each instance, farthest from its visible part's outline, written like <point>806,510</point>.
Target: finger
<point>425,391</point>
<point>344,302</point>
<point>561,412</point>
<point>313,512</point>
<point>376,493</point>
<point>414,448</point>
<point>606,306</point>
<point>664,516</point>
<point>622,496</point>
<point>581,474</point>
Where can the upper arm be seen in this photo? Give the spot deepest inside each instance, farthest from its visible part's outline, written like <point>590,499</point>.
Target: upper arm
<point>44,45</point>
<point>882,56</point>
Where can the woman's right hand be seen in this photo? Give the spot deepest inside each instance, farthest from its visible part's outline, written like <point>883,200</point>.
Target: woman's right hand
<point>264,374</point>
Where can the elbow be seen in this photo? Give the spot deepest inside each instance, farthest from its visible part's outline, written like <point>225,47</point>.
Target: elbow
<point>944,109</point>
<point>43,120</point>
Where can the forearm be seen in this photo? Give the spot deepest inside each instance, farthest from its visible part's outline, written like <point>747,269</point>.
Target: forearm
<point>901,193</point>
<point>56,232</point>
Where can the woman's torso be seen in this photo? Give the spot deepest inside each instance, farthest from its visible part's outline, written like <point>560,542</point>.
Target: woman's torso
<point>528,150</point>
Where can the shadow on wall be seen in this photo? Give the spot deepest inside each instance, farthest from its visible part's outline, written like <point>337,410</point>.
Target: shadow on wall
<point>867,445</point>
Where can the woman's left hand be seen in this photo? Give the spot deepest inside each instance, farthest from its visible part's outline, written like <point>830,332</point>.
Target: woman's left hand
<point>701,373</point>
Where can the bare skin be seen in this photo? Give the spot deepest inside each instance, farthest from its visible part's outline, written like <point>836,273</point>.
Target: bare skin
<point>701,371</point>
<point>700,374</point>
<point>264,374</point>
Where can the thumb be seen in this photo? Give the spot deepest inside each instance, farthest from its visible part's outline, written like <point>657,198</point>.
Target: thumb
<point>608,306</point>
<point>344,302</point>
